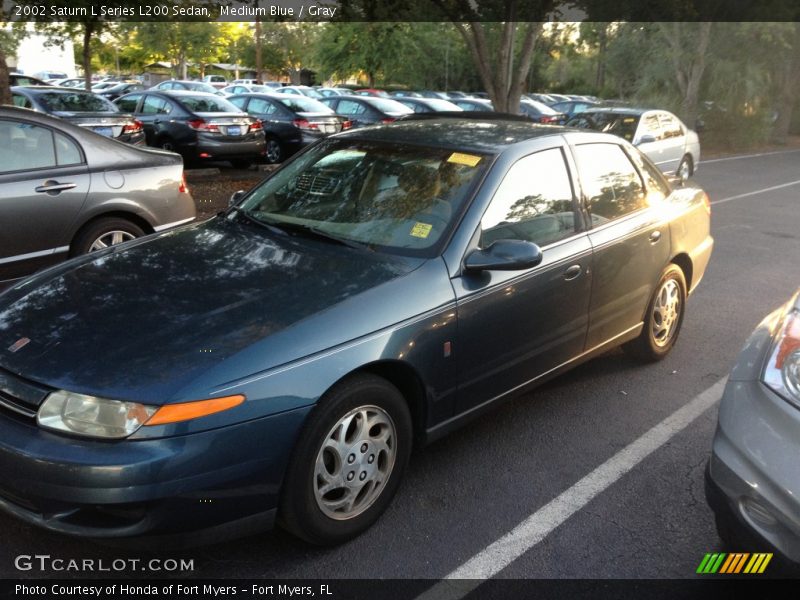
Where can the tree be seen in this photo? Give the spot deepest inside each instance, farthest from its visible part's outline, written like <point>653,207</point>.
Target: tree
<point>688,45</point>
<point>502,79</point>
<point>181,42</point>
<point>789,89</point>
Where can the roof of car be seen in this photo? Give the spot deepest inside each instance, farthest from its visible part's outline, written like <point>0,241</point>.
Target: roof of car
<point>41,89</point>
<point>472,133</point>
<point>620,110</point>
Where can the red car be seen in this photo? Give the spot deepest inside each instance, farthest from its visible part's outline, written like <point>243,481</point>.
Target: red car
<point>371,92</point>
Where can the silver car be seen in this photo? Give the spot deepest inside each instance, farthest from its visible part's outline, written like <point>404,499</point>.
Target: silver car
<point>753,476</point>
<point>671,145</point>
<point>65,191</point>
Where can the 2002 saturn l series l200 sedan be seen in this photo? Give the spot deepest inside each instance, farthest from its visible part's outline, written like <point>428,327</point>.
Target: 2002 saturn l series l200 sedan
<point>378,290</point>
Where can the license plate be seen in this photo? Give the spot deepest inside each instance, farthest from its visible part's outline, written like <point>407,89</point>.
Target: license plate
<point>235,130</point>
<point>106,131</point>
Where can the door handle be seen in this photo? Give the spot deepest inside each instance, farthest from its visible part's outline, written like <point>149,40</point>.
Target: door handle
<point>572,272</point>
<point>54,187</point>
<point>655,236</point>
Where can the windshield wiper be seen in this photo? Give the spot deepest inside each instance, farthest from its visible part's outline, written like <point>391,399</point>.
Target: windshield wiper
<point>316,232</point>
<point>246,214</point>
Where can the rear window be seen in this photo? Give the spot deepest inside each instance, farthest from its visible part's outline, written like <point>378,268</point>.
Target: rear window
<point>75,102</point>
<point>208,104</point>
<point>388,106</point>
<point>303,104</point>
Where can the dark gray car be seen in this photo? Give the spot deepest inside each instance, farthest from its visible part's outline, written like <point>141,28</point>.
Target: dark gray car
<point>65,191</point>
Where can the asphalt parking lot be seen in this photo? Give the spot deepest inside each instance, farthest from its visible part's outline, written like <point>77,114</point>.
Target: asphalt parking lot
<point>644,518</point>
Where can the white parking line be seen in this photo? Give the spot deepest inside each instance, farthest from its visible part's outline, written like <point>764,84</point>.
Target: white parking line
<point>739,156</point>
<point>753,193</point>
<point>498,555</point>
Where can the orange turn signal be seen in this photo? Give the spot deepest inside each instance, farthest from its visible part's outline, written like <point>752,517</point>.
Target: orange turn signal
<point>172,413</point>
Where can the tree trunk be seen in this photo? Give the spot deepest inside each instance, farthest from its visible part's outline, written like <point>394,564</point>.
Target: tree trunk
<point>5,84</point>
<point>505,88</point>
<point>259,57</point>
<point>600,74</point>
<point>688,67</point>
<point>88,30</point>
<point>790,87</point>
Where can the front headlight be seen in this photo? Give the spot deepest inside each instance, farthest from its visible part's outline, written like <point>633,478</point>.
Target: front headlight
<point>92,416</point>
<point>782,373</point>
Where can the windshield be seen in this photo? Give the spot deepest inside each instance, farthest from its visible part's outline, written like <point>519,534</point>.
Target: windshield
<point>619,124</point>
<point>75,102</point>
<point>401,199</point>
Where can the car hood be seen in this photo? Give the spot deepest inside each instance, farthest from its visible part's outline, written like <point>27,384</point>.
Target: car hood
<point>211,302</point>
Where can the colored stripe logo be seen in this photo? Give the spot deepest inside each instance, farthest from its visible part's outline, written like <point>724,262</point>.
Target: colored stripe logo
<point>734,563</point>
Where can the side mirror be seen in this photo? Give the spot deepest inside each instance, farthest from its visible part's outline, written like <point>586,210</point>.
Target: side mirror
<point>235,197</point>
<point>646,139</point>
<point>504,255</point>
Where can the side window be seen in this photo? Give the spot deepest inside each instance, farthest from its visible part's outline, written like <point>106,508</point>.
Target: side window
<point>22,101</point>
<point>165,86</point>
<point>24,146</point>
<point>655,183</point>
<point>154,105</point>
<point>238,102</point>
<point>533,203</point>
<point>67,151</point>
<point>349,107</point>
<point>611,183</point>
<point>128,103</point>
<point>670,125</point>
<point>261,107</point>
<point>650,125</point>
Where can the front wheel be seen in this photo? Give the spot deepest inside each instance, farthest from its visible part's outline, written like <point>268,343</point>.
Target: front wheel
<point>348,462</point>
<point>663,319</point>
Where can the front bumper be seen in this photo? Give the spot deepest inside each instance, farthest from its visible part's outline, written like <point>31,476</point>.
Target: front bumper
<point>753,476</point>
<point>214,480</point>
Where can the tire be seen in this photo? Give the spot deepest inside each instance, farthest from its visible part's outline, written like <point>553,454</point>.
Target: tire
<point>104,232</point>
<point>166,143</point>
<point>274,152</point>
<point>685,169</point>
<point>378,455</point>
<point>663,319</point>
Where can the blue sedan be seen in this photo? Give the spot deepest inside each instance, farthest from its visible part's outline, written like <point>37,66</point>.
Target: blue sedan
<point>281,360</point>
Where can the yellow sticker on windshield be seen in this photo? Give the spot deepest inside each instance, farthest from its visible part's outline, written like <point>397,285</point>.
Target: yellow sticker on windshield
<point>628,120</point>
<point>421,230</point>
<point>464,159</point>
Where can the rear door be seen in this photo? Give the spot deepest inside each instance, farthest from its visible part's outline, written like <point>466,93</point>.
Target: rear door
<point>153,114</point>
<point>674,142</point>
<point>630,240</point>
<point>650,140</point>
<point>44,180</point>
<point>517,325</point>
<point>355,111</point>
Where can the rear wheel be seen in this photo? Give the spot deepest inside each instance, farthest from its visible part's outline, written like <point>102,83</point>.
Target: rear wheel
<point>166,143</point>
<point>348,462</point>
<point>274,152</point>
<point>103,233</point>
<point>663,319</point>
